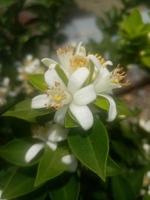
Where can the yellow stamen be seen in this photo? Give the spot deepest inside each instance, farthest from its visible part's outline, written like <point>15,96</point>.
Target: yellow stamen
<point>119,76</point>
<point>65,50</point>
<point>100,58</point>
<point>78,61</point>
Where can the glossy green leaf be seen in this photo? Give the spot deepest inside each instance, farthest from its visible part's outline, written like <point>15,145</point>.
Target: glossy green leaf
<point>37,80</point>
<point>14,152</point>
<point>91,149</point>
<point>50,165</point>
<point>112,168</point>
<point>23,110</point>
<point>67,191</point>
<point>20,182</point>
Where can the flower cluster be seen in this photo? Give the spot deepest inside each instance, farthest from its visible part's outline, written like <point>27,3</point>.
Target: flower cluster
<point>30,65</point>
<point>75,82</point>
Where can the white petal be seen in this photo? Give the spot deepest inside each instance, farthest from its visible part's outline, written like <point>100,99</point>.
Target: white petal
<point>59,116</point>
<point>112,113</point>
<point>40,101</point>
<point>71,161</point>
<point>95,61</point>
<point>33,151</point>
<point>83,115</point>
<point>77,79</point>
<point>57,133</point>
<point>80,50</point>
<point>51,77</point>
<point>48,62</point>
<point>52,145</point>
<point>85,95</point>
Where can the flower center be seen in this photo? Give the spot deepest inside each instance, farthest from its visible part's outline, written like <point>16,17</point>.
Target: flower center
<point>78,61</point>
<point>58,96</point>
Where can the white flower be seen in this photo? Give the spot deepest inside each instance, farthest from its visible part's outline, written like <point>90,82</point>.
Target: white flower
<point>71,58</point>
<point>74,97</point>
<point>49,135</point>
<point>30,65</point>
<point>145,124</point>
<point>106,81</point>
<point>70,161</point>
<point>4,90</point>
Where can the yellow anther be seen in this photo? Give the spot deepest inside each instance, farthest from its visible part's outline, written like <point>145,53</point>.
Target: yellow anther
<point>78,61</point>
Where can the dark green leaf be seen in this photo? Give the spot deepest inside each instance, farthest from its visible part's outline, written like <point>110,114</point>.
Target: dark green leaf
<point>14,152</point>
<point>122,189</point>
<point>50,165</point>
<point>23,110</point>
<point>92,150</point>
<point>20,182</point>
<point>68,191</point>
<point>112,168</point>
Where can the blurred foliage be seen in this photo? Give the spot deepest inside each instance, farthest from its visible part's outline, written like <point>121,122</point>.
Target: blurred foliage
<point>125,36</point>
<point>27,24</point>
<point>24,26</point>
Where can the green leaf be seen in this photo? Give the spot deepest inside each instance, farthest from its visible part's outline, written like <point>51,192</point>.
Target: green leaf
<point>37,80</point>
<point>102,103</point>
<point>91,150</point>
<point>62,74</point>
<point>20,182</point>
<point>132,25</point>
<point>14,152</point>
<point>122,108</point>
<point>23,110</point>
<point>112,168</point>
<point>69,121</point>
<point>50,165</point>
<point>121,189</point>
<point>68,191</point>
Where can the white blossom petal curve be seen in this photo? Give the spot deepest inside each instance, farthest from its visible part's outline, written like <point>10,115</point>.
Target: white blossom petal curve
<point>52,145</point>
<point>80,50</point>
<point>33,151</point>
<point>48,62</point>
<point>59,116</point>
<point>71,161</point>
<point>57,133</point>
<point>85,95</point>
<point>51,77</point>
<point>83,115</point>
<point>112,113</point>
<point>40,101</point>
<point>77,79</point>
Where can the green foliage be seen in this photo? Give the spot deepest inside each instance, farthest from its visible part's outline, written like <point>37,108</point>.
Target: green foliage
<point>69,190</point>
<point>14,152</point>
<point>48,163</point>
<point>23,110</point>
<point>19,183</point>
<point>92,149</point>
<point>38,82</point>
